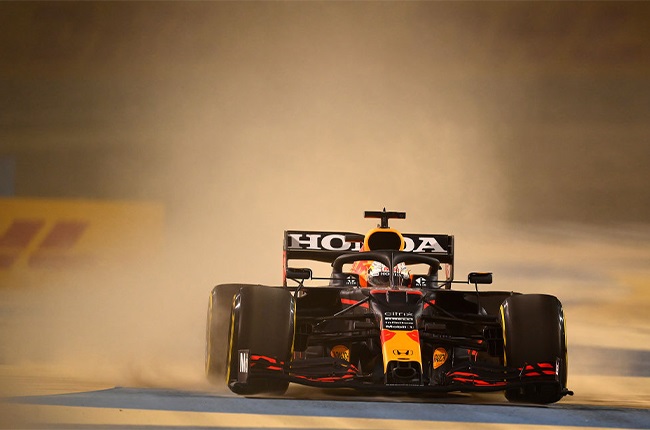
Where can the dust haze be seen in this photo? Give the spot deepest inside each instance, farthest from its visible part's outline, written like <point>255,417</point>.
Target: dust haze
<point>520,128</point>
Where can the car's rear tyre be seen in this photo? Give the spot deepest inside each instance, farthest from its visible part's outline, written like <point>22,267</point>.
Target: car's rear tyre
<point>263,324</point>
<point>534,332</point>
<point>218,327</point>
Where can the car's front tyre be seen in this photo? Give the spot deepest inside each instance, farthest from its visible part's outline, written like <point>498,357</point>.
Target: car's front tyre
<point>218,326</point>
<point>262,324</point>
<point>534,331</point>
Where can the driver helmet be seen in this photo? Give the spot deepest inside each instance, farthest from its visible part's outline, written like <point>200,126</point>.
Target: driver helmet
<point>379,275</point>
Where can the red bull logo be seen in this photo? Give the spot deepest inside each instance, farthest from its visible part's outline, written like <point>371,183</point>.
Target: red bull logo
<point>400,345</point>
<point>440,356</point>
<point>341,351</point>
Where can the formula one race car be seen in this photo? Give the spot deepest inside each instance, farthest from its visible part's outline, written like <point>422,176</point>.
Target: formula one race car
<point>384,318</point>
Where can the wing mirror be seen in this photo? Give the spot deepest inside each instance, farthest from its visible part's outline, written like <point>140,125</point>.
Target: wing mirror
<point>480,278</point>
<point>298,273</point>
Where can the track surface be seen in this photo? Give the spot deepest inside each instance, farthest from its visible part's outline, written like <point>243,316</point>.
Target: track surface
<point>620,402</point>
<point>161,409</point>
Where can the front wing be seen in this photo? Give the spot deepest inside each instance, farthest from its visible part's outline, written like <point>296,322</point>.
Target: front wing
<point>337,373</point>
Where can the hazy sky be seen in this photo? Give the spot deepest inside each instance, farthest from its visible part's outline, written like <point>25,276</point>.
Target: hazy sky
<point>460,110</point>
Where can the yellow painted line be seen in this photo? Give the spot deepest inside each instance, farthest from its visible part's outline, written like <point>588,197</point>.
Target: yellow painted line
<point>42,415</point>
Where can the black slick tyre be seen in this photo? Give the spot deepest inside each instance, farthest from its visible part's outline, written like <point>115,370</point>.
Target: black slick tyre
<point>217,330</point>
<point>263,324</point>
<point>534,332</point>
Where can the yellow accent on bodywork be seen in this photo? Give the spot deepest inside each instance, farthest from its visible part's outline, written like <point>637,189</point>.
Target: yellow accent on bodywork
<point>207,340</point>
<point>231,336</point>
<point>503,328</point>
<point>401,347</point>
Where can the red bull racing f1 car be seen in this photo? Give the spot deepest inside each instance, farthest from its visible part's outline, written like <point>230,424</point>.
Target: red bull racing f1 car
<point>384,317</point>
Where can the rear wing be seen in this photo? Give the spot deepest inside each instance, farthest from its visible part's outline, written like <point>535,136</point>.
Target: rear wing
<point>325,246</point>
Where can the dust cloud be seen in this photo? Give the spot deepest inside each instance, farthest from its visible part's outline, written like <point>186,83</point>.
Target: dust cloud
<point>247,119</point>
